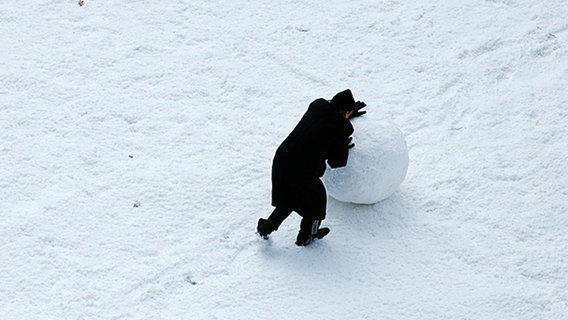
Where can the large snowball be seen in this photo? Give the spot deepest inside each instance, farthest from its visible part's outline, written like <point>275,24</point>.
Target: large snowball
<point>376,167</point>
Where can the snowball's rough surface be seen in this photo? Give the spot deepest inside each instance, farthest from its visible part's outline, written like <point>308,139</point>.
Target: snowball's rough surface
<point>377,164</point>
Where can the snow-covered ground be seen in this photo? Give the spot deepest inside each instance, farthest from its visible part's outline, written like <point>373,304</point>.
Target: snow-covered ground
<point>136,139</point>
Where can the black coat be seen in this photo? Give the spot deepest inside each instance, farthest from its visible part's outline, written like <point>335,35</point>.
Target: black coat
<point>322,134</point>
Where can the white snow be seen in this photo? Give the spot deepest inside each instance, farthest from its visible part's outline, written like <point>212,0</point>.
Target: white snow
<point>376,166</point>
<point>136,139</point>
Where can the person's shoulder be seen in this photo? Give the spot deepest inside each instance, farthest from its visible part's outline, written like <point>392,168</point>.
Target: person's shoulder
<point>320,106</point>
<point>321,102</point>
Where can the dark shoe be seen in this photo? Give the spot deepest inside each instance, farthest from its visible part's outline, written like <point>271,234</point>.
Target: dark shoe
<point>263,228</point>
<point>321,233</point>
<point>303,239</point>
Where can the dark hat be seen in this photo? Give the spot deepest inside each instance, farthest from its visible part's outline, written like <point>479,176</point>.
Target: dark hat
<point>344,100</point>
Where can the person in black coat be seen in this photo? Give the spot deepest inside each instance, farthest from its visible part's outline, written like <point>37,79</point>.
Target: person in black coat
<point>323,133</point>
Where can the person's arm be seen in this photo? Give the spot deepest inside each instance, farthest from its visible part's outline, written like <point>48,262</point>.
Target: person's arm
<point>339,153</point>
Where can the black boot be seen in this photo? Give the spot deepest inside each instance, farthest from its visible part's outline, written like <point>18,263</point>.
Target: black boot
<point>322,232</point>
<point>264,228</point>
<point>303,239</point>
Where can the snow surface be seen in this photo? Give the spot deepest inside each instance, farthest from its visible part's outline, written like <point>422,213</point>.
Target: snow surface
<point>137,137</point>
<point>376,167</point>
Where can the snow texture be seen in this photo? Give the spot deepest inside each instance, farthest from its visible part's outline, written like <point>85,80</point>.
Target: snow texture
<point>136,139</point>
<point>376,167</point>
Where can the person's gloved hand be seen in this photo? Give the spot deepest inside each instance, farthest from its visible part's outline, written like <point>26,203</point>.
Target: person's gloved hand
<point>357,110</point>
<point>349,143</point>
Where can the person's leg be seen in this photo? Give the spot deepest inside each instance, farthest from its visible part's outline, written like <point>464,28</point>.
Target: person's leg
<point>267,226</point>
<point>308,227</point>
<point>313,202</point>
<point>278,216</point>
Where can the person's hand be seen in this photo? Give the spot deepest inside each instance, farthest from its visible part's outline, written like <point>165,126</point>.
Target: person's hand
<point>357,110</point>
<point>349,143</point>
